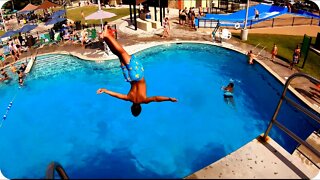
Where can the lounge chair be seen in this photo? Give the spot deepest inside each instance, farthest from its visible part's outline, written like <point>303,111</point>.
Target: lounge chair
<point>57,37</point>
<point>6,50</point>
<point>45,39</point>
<point>92,35</point>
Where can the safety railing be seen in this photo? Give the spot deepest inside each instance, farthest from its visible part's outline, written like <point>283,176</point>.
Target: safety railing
<point>299,107</point>
<point>208,23</point>
<point>54,166</point>
<point>269,23</point>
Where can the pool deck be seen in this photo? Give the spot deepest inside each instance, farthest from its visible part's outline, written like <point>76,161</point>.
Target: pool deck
<point>255,159</point>
<point>260,160</point>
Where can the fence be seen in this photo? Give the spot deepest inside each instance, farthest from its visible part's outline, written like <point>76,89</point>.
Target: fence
<point>274,22</point>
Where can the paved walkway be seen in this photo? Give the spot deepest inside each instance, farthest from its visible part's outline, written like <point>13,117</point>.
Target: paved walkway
<point>132,39</point>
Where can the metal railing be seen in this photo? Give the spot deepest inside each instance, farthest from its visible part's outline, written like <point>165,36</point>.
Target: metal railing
<point>274,22</point>
<point>208,23</point>
<point>54,166</point>
<point>298,107</point>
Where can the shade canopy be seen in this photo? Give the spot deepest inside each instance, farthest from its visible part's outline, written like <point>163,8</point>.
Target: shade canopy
<point>9,33</point>
<point>58,14</point>
<point>140,1</point>
<point>55,21</point>
<point>27,8</point>
<point>27,28</point>
<point>100,14</point>
<point>47,4</point>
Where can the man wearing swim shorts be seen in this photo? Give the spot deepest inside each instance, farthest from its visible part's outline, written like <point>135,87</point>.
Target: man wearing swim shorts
<point>134,74</point>
<point>5,75</point>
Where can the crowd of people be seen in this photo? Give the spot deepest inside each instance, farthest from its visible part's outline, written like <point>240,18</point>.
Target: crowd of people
<point>20,73</point>
<point>187,17</point>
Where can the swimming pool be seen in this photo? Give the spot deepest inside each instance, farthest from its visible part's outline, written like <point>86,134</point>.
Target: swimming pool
<point>57,116</point>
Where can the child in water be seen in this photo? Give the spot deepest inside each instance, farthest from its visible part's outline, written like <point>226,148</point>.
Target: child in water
<point>228,91</point>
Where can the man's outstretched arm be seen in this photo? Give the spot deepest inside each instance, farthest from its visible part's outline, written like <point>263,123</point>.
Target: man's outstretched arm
<point>114,94</point>
<point>159,99</point>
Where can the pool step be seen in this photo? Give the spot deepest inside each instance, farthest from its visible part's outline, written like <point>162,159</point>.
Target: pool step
<point>51,65</point>
<point>257,160</point>
<point>49,58</point>
<point>306,155</point>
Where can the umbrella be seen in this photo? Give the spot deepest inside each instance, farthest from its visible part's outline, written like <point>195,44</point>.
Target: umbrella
<point>57,14</point>
<point>47,4</point>
<point>28,8</point>
<point>55,21</point>
<point>100,14</point>
<point>9,33</point>
<point>27,28</point>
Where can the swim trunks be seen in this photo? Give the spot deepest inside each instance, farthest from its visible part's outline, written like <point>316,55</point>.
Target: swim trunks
<point>133,71</point>
<point>228,94</point>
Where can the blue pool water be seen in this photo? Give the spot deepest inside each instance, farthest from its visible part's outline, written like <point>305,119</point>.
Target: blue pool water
<point>59,117</point>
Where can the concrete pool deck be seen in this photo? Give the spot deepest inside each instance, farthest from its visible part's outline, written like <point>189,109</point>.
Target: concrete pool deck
<point>259,160</point>
<point>254,152</point>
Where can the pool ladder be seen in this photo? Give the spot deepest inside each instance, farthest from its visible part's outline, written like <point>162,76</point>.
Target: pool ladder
<point>298,107</point>
<point>55,166</point>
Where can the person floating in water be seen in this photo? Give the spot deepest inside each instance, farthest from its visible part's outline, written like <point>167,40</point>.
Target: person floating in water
<point>228,91</point>
<point>134,73</point>
<point>20,77</point>
<point>5,75</point>
<point>22,67</point>
<point>251,56</point>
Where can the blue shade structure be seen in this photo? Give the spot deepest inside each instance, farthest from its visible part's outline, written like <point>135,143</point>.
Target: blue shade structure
<point>9,33</point>
<point>55,21</point>
<point>58,14</point>
<point>27,28</point>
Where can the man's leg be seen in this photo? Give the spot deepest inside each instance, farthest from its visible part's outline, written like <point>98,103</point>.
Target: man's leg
<point>117,49</point>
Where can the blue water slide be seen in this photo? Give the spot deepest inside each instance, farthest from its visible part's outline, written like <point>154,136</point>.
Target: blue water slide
<point>265,12</point>
<point>306,14</point>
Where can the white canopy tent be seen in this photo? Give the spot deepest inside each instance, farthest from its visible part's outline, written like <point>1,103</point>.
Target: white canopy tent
<point>2,2</point>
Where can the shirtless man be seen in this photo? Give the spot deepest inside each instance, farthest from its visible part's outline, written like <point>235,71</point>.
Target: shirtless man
<point>256,14</point>
<point>251,56</point>
<point>13,68</point>
<point>133,72</point>
<point>228,91</point>
<point>4,74</point>
<point>274,52</point>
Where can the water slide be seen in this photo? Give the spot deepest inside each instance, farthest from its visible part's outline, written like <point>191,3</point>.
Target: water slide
<point>265,12</point>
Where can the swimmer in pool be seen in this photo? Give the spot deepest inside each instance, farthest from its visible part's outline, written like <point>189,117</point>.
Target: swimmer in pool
<point>5,75</point>
<point>134,74</point>
<point>228,91</point>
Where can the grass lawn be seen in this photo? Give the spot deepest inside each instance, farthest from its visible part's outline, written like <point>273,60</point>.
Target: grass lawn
<point>75,14</point>
<point>286,44</point>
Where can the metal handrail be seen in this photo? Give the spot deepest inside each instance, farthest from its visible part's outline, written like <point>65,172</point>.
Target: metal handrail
<point>55,166</point>
<point>299,107</point>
